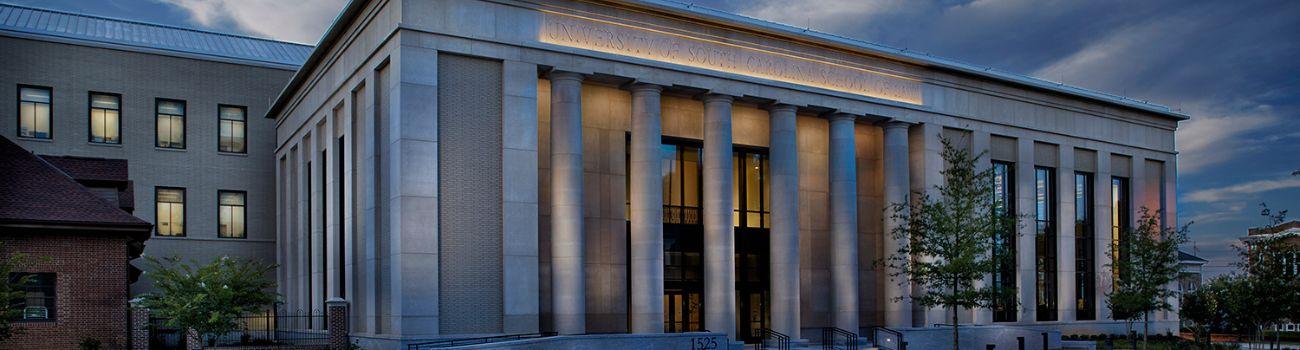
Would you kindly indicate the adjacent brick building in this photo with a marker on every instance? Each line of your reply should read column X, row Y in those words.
column 73, row 225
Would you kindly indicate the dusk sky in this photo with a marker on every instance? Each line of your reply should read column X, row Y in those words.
column 1234, row 66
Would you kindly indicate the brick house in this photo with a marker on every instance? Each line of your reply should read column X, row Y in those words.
column 70, row 217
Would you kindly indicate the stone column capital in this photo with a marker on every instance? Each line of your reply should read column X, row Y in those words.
column 564, row 75
column 775, row 107
column 712, row 98
column 644, row 88
column 839, row 116
column 895, row 124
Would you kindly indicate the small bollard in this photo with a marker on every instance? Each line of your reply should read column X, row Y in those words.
column 990, row 347
column 1044, row 340
column 1020, row 343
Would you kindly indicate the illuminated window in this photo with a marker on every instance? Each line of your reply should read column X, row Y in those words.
column 1045, row 242
column 231, row 223
column 750, row 198
column 171, row 124
column 37, row 301
column 233, row 121
column 105, row 118
column 1119, row 218
column 1084, row 248
column 681, row 179
column 1004, row 249
column 34, row 112
column 170, row 216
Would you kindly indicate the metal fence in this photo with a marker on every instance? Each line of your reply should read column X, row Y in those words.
column 278, row 327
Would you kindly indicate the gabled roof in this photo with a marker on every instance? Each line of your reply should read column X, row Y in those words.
column 36, row 193
column 23, row 21
column 1185, row 257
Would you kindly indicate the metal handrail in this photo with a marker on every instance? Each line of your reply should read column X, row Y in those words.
column 446, row 343
column 887, row 338
column 782, row 341
column 829, row 334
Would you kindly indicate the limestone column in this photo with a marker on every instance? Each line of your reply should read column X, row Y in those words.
column 981, row 142
column 783, row 159
column 898, row 303
column 1066, row 293
column 1026, row 268
column 844, row 223
column 567, row 290
column 647, row 225
column 719, row 232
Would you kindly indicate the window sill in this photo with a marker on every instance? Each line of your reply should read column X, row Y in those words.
column 170, row 149
column 102, row 144
column 35, row 139
column 236, row 154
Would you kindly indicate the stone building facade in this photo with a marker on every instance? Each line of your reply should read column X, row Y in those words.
column 474, row 167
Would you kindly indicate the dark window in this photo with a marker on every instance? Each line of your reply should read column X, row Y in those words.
column 749, row 196
column 1119, row 221
column 34, row 116
column 170, row 216
column 1004, row 249
column 170, row 123
column 339, row 208
column 231, row 213
column 37, row 302
column 311, row 258
column 105, row 118
column 324, row 222
column 1084, row 248
column 1045, row 242
column 233, row 120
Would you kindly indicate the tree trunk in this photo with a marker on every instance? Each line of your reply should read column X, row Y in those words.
column 954, row 328
column 1146, row 327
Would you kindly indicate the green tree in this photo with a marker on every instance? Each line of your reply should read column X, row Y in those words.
column 950, row 238
column 1202, row 311
column 11, row 289
column 208, row 298
column 1269, row 264
column 1148, row 266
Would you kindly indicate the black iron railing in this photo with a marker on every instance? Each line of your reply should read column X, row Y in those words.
column 446, row 343
column 832, row 337
column 279, row 327
column 886, row 338
column 770, row 339
column 675, row 214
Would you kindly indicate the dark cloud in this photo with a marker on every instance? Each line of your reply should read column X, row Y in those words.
column 1233, row 65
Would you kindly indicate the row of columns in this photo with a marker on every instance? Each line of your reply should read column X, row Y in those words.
column 646, row 210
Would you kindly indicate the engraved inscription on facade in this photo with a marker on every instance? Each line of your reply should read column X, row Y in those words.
column 654, row 45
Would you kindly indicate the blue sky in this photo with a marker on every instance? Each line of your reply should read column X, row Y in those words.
column 1233, row 65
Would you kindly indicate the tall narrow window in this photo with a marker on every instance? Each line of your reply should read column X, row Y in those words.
column 105, row 118
column 171, row 124
column 324, row 222
column 1045, row 242
column 340, row 207
column 1119, row 221
column 34, row 112
column 1084, row 249
column 749, row 196
column 681, row 177
column 1004, row 249
column 233, row 120
column 170, row 216
column 231, row 214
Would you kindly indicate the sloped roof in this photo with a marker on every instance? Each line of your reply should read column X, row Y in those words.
column 35, row 192
column 120, row 33
column 87, row 168
column 1186, row 257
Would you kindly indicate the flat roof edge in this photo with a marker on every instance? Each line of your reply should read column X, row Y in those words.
column 691, row 10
